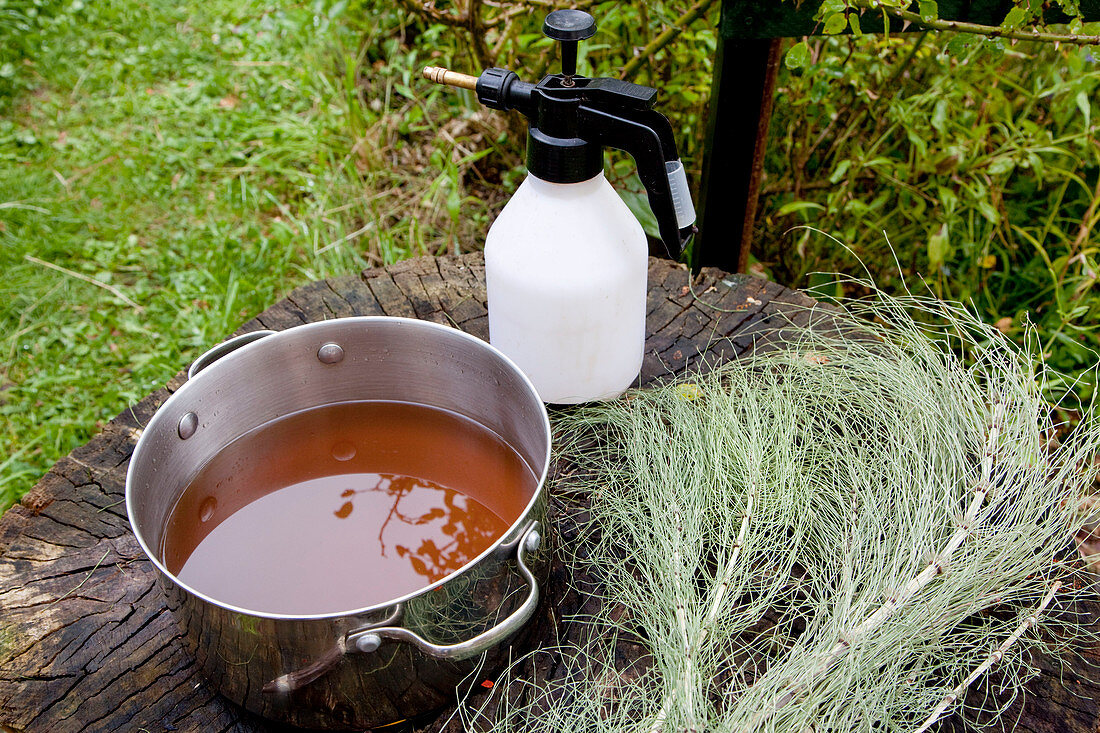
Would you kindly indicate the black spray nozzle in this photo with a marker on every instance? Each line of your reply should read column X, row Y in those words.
column 572, row 118
column 502, row 89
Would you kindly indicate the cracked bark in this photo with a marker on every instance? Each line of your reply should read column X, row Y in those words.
column 86, row 642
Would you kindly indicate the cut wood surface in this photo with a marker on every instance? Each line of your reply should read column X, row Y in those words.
column 86, row 641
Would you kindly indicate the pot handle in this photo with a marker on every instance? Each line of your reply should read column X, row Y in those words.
column 369, row 640
column 299, row 678
column 225, row 347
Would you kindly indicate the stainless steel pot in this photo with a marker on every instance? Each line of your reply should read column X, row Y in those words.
column 368, row 666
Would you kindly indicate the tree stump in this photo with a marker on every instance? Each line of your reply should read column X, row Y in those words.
column 86, row 641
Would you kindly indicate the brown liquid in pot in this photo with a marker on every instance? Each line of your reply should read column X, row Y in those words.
column 344, row 506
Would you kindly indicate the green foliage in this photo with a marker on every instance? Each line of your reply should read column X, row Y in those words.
column 23, row 25
column 978, row 171
column 1026, row 20
column 976, row 157
column 167, row 172
column 201, row 161
column 198, row 163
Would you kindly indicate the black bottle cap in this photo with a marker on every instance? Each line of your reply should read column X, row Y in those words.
column 562, row 160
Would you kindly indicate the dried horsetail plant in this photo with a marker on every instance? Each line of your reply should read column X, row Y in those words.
column 831, row 536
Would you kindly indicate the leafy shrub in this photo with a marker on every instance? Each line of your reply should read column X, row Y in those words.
column 974, row 167
column 971, row 165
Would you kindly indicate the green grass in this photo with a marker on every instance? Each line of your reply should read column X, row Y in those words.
column 165, row 174
column 168, row 172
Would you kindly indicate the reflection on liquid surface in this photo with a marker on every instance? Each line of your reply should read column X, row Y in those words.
column 327, row 511
column 438, row 530
column 403, row 531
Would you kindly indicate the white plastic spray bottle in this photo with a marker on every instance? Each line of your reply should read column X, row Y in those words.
column 566, row 261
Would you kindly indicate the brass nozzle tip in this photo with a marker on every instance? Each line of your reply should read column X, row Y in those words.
column 440, row 75
column 434, row 73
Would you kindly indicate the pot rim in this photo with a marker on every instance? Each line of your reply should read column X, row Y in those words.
column 516, row 526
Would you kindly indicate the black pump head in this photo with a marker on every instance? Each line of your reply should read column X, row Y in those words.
column 569, row 27
column 572, row 118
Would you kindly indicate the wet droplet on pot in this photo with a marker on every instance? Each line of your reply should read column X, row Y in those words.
column 347, row 493
column 206, row 509
column 343, row 451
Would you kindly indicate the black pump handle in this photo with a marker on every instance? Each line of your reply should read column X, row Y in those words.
column 568, row 27
column 647, row 137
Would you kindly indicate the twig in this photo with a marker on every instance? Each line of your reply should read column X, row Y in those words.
column 552, row 4
column 431, row 12
column 21, row 205
column 727, row 576
column 77, row 586
column 991, row 31
column 681, row 614
column 79, row 276
column 348, row 237
column 505, row 17
column 1089, row 220
column 936, row 567
column 477, row 34
column 995, row 656
column 715, row 605
column 665, row 37
column 505, row 34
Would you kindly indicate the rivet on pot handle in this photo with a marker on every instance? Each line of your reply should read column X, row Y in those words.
column 299, row 678
column 370, row 639
column 225, row 347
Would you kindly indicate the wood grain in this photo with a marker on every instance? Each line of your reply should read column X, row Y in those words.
column 86, row 642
